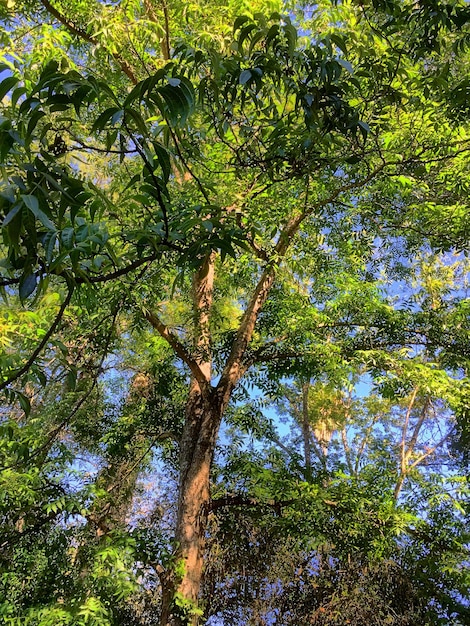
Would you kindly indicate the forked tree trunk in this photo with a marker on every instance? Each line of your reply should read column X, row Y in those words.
column 202, row 421
column 204, row 410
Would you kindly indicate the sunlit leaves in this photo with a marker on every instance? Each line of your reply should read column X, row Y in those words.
column 312, row 167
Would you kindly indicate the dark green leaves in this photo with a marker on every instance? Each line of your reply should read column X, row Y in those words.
column 245, row 76
column 6, row 85
column 47, row 213
column 112, row 115
column 32, row 204
column 27, row 285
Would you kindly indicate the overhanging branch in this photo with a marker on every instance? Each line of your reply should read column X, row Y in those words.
column 248, row 502
column 244, row 501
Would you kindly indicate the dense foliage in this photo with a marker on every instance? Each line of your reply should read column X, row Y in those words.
column 235, row 315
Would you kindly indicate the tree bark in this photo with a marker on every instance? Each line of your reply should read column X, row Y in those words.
column 202, row 421
column 203, row 416
column 204, row 410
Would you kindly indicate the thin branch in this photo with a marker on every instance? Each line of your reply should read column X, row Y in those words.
column 234, row 368
column 102, row 278
column 165, row 43
column 41, row 345
column 306, row 427
column 6, row 282
column 167, row 29
column 290, row 453
column 405, row 429
column 234, row 500
column 83, row 147
column 175, row 138
column 160, row 437
column 53, row 434
column 417, row 428
column 430, row 451
column 246, row 501
column 364, row 442
column 347, row 451
column 259, row 357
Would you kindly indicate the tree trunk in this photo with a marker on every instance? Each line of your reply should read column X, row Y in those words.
column 306, row 430
column 204, row 410
column 203, row 417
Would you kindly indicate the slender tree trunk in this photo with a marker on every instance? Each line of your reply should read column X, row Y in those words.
column 306, row 430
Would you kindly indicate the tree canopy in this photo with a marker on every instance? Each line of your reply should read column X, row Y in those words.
column 235, row 315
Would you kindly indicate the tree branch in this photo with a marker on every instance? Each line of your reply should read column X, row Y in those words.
column 234, row 369
column 403, row 446
column 82, row 34
column 178, row 347
column 41, row 345
column 430, row 451
column 234, row 500
column 165, row 43
column 202, row 296
column 246, row 501
column 102, row 278
column 56, row 430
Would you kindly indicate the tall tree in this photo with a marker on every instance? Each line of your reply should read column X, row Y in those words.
column 266, row 186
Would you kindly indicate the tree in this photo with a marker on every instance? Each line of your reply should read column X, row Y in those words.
column 344, row 538
column 260, row 181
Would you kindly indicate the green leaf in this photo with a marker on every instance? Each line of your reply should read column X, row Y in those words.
column 68, row 236
column 163, row 159
column 33, row 205
column 49, row 243
column 113, row 114
column 244, row 33
column 347, row 65
column 72, row 379
column 25, row 405
column 6, row 85
column 187, row 90
column 364, row 128
column 11, row 214
column 291, row 35
column 339, row 41
column 17, row 93
column 239, row 21
column 177, row 108
column 27, row 285
column 33, row 120
column 245, row 76
column 132, row 114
